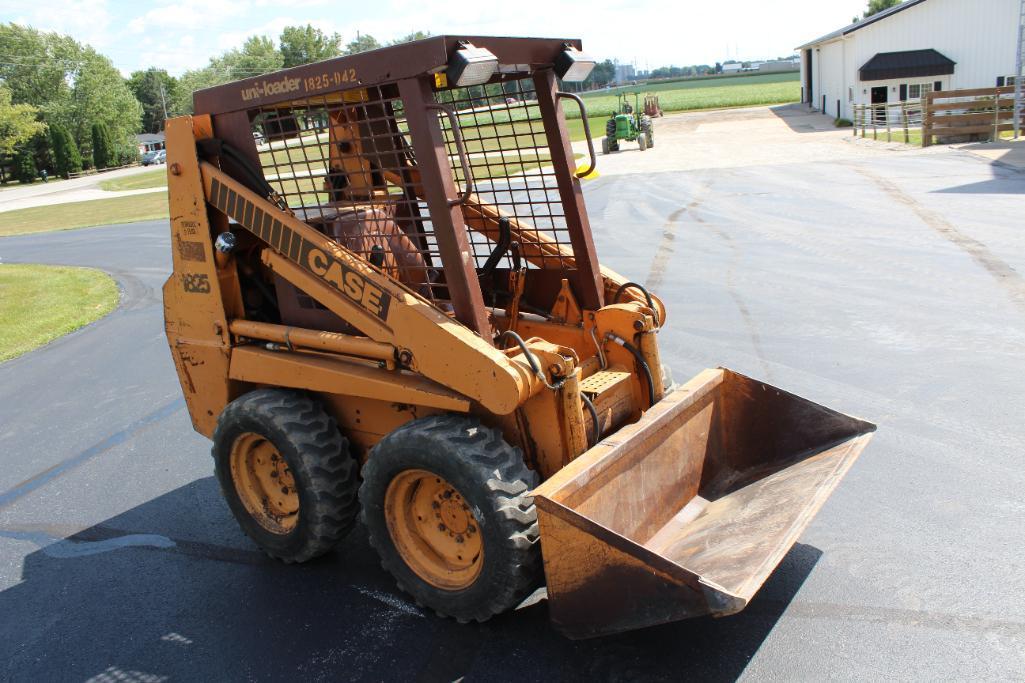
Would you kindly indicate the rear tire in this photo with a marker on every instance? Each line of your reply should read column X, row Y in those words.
column 642, row 142
column 610, row 134
column 286, row 473
column 604, row 145
column 439, row 486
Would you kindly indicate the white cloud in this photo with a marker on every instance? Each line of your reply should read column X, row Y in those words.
column 183, row 34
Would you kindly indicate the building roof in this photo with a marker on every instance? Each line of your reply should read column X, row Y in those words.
column 851, row 28
column 146, row 138
column 907, row 64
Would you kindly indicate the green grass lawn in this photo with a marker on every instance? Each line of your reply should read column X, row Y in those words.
column 735, row 91
column 140, row 181
column 41, row 303
column 141, row 207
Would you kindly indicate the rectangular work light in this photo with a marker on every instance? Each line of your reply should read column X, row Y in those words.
column 471, row 65
column 573, row 65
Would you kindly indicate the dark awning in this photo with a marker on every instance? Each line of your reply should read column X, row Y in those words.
column 910, row 64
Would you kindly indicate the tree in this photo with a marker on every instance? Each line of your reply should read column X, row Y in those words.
column 601, row 75
column 25, row 167
column 877, row 6
column 104, row 155
column 156, row 91
column 362, row 43
column 71, row 84
column 67, row 160
column 257, row 56
column 305, row 45
column 410, row 37
column 18, row 123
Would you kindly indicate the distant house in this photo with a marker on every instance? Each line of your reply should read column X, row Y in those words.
column 149, row 142
column 734, row 68
column 909, row 50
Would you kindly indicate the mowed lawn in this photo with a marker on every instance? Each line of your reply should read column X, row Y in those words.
column 140, row 207
column 139, row 181
column 41, row 303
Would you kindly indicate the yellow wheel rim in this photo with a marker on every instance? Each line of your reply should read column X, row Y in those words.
column 434, row 529
column 264, row 483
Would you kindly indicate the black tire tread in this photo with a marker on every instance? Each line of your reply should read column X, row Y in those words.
column 329, row 470
column 506, row 481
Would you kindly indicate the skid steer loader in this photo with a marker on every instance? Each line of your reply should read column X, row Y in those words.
column 386, row 303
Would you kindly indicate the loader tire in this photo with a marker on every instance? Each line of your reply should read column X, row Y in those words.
column 286, row 472
column 445, row 506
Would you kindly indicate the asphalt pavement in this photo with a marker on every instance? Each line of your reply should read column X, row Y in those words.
column 887, row 285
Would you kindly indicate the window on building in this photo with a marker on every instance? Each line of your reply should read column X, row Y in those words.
column 917, row 91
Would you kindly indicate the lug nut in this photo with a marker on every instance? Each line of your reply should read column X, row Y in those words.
column 459, row 539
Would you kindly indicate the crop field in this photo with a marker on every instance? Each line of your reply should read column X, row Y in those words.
column 718, row 93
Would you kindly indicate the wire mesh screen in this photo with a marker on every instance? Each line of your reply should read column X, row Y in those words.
column 344, row 163
column 510, row 166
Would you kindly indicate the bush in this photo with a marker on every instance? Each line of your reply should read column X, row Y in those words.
column 843, row 123
column 104, row 154
column 66, row 159
column 25, row 167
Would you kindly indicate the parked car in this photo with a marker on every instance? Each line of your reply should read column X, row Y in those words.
column 148, row 158
column 161, row 157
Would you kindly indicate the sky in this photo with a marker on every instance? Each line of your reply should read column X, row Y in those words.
column 178, row 35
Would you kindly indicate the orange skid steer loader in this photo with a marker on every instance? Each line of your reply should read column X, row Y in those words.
column 386, row 303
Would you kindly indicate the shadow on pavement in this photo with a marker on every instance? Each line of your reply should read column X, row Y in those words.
column 171, row 590
column 800, row 118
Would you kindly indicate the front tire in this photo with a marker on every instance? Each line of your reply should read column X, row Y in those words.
column 286, row 473
column 445, row 506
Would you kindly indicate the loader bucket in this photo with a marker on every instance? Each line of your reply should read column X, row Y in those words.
column 687, row 512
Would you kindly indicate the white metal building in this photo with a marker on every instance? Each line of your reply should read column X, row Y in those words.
column 910, row 49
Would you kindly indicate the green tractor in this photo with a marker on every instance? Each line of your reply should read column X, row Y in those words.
column 628, row 123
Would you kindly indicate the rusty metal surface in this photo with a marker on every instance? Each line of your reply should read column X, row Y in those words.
column 688, row 511
column 385, row 65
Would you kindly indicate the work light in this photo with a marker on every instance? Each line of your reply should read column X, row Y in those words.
column 573, row 65
column 471, row 66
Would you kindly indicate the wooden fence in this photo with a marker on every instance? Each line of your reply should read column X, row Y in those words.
column 890, row 120
column 968, row 113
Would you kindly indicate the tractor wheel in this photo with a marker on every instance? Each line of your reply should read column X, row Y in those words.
column 610, row 133
column 286, row 473
column 648, row 128
column 642, row 141
column 445, row 505
column 604, row 145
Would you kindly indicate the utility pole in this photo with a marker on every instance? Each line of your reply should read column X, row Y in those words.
column 163, row 100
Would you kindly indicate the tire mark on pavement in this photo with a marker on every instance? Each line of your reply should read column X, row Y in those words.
column 117, row 438
column 738, row 301
column 1006, row 276
column 656, row 274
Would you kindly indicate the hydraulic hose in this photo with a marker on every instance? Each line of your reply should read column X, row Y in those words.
column 647, row 297
column 641, row 362
column 596, row 432
column 531, row 359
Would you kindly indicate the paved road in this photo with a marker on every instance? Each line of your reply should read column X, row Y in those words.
column 79, row 189
column 887, row 285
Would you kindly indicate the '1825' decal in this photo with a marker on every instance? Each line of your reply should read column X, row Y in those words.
column 196, row 283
